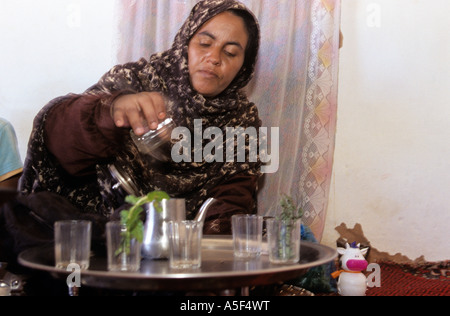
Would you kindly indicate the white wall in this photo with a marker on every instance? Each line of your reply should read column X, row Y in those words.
column 392, row 161
column 50, row 48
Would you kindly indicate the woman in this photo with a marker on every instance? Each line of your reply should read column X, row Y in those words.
column 200, row 77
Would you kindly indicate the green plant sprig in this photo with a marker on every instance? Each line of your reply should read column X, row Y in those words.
column 289, row 209
column 131, row 220
column 290, row 212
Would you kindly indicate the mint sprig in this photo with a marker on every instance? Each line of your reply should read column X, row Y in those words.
column 130, row 219
column 290, row 212
column 289, row 209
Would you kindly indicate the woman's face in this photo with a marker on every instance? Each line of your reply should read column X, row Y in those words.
column 217, row 53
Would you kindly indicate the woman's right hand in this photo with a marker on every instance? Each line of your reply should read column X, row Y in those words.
column 142, row 111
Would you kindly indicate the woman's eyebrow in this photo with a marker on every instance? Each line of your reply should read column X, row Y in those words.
column 208, row 34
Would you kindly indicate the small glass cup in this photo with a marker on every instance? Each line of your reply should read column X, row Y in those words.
column 122, row 256
column 72, row 244
column 156, row 143
column 5, row 289
column 284, row 238
column 185, row 239
column 247, row 236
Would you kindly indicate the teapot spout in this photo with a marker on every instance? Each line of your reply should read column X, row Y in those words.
column 200, row 218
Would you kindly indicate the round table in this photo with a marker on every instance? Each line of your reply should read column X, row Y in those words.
column 220, row 270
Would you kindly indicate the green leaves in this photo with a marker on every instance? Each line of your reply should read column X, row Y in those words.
column 290, row 212
column 289, row 209
column 133, row 226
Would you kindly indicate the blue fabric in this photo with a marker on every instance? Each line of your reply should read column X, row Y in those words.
column 9, row 154
column 307, row 234
column 317, row 279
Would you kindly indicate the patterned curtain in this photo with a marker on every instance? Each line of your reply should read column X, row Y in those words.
column 295, row 86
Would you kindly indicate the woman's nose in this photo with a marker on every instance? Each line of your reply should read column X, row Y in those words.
column 214, row 57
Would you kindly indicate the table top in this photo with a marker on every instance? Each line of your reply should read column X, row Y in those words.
column 219, row 271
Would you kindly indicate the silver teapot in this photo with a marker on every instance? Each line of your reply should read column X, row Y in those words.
column 156, row 237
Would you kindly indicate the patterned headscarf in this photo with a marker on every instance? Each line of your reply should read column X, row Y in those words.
column 167, row 73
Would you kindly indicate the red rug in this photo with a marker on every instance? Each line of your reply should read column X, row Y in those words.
column 403, row 280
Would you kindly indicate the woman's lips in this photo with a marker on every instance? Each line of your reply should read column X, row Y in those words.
column 208, row 74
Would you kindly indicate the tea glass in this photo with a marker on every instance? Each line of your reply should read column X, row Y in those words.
column 72, row 244
column 185, row 244
column 247, row 236
column 123, row 255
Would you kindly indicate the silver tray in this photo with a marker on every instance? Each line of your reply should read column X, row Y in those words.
column 219, row 271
